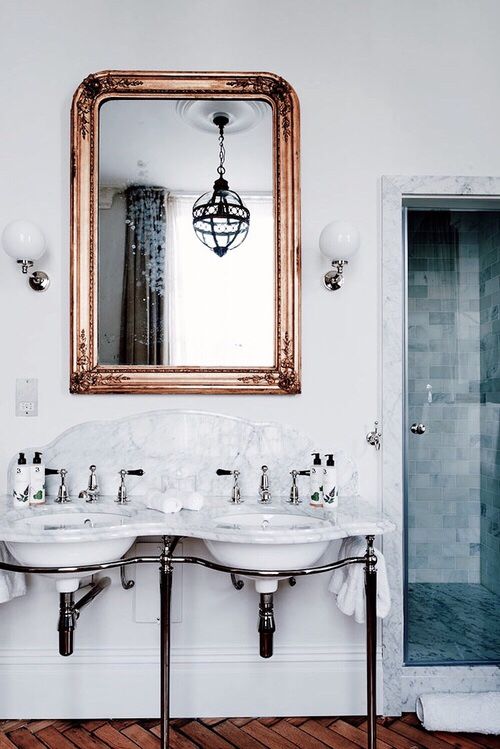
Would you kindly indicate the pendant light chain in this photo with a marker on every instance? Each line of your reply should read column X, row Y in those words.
column 222, row 152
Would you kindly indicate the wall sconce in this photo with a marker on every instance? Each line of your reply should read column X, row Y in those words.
column 338, row 241
column 24, row 241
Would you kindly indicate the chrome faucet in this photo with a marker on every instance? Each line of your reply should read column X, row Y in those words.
column 294, row 489
column 264, row 491
column 91, row 493
column 62, row 492
column 235, row 491
column 122, row 489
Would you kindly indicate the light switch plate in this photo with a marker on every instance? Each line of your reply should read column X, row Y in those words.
column 27, row 396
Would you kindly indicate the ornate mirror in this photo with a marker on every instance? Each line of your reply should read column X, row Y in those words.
column 185, row 254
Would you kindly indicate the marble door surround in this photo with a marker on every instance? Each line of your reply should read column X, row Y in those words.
column 402, row 684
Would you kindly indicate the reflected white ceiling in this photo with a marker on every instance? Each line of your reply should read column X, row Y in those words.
column 147, row 142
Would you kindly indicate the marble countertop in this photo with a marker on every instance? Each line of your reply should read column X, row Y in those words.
column 218, row 520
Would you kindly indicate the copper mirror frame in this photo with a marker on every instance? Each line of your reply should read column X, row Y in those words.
column 86, row 374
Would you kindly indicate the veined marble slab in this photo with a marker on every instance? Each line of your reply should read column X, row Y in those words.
column 185, row 443
column 216, row 521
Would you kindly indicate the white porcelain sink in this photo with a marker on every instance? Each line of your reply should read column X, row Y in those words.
column 264, row 551
column 80, row 549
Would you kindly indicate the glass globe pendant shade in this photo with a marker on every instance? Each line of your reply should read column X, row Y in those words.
column 23, row 240
column 339, row 240
column 221, row 219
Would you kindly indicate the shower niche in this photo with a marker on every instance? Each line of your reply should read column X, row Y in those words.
column 452, row 441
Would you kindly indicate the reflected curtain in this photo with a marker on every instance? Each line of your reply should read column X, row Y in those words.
column 142, row 330
column 436, row 231
column 434, row 244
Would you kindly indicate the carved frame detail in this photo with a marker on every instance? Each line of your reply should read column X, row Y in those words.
column 86, row 374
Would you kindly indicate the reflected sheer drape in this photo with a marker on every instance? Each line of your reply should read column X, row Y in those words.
column 434, row 237
column 142, row 334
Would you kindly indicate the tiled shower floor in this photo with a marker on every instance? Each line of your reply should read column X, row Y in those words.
column 452, row 622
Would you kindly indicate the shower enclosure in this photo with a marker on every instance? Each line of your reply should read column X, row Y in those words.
column 451, row 431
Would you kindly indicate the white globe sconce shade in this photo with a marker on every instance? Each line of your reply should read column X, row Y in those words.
column 339, row 241
column 24, row 242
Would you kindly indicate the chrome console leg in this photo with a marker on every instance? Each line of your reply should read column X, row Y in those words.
column 371, row 642
column 166, row 571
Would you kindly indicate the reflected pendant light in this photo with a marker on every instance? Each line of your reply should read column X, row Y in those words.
column 220, row 218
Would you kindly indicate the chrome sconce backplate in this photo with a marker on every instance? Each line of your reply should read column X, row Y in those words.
column 39, row 280
column 334, row 279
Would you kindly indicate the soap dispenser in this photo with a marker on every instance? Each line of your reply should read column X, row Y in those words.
column 330, row 492
column 316, row 482
column 37, row 481
column 21, row 481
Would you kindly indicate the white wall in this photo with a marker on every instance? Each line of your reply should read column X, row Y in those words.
column 386, row 86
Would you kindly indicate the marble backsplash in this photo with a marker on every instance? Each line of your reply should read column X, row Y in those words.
column 193, row 443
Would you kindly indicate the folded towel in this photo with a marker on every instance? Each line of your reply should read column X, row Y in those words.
column 163, row 502
column 168, row 501
column 479, row 713
column 348, row 583
column 12, row 584
column 193, row 501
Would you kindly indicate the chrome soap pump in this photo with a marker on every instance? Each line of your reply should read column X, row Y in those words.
column 316, row 481
column 330, row 492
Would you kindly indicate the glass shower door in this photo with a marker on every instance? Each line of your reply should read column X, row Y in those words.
column 452, row 466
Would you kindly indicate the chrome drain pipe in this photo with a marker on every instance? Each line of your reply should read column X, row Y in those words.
column 267, row 625
column 69, row 611
column 67, row 623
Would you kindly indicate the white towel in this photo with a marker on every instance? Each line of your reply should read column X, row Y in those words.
column 163, row 502
column 168, row 501
column 193, row 501
column 348, row 583
column 478, row 713
column 12, row 584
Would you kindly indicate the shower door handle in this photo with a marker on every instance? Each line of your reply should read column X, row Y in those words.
column 417, row 428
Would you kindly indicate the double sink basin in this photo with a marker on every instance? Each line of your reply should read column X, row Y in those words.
column 277, row 539
column 64, row 538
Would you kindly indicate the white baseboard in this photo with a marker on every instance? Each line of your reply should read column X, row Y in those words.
column 206, row 682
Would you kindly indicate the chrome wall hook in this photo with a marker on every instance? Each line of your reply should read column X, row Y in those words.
column 374, row 437
column 237, row 583
column 126, row 584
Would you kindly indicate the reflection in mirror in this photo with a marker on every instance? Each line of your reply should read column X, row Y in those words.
column 164, row 297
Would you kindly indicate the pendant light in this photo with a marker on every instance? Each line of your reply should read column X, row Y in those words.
column 220, row 218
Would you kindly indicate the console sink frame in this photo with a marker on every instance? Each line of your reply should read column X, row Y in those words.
column 167, row 561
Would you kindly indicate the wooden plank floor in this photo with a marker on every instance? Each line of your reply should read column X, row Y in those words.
column 233, row 733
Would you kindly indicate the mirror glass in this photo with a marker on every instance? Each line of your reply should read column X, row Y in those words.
column 164, row 297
